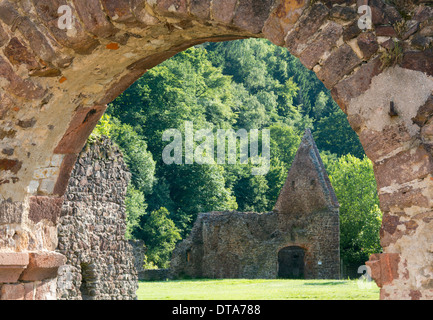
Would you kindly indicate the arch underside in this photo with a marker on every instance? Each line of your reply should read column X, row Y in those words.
column 56, row 83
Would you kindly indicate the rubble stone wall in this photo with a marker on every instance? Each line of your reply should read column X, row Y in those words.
column 100, row 261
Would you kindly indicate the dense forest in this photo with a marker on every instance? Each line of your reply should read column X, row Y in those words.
column 245, row 84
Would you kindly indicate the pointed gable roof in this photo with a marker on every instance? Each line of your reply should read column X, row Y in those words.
column 307, row 188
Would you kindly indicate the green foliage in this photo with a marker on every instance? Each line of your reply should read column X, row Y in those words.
column 135, row 210
column 246, row 84
column 360, row 217
column 160, row 235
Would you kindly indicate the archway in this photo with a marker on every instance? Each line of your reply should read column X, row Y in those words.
column 57, row 79
column 291, row 263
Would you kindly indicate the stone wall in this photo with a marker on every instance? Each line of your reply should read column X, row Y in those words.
column 247, row 245
column 91, row 230
column 139, row 252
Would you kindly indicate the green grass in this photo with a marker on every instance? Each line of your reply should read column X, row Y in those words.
column 243, row 289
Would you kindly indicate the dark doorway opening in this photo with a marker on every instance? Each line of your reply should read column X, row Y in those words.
column 87, row 282
column 291, row 263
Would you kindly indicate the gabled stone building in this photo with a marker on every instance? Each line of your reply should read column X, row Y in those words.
column 298, row 239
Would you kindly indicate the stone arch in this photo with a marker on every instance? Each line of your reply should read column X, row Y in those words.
column 56, row 83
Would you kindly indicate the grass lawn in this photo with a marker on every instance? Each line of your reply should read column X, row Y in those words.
column 246, row 289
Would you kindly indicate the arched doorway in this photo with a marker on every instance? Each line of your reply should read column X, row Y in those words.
column 291, row 263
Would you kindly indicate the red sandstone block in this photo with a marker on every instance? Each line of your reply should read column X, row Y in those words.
column 170, row 7
column 119, row 10
column 251, row 14
column 82, row 124
column 378, row 144
column 12, row 265
column 200, row 8
column 45, row 208
column 29, row 290
column 323, row 43
column 223, row 10
column 404, row 167
column 80, row 41
column 94, row 18
column 356, row 84
column 384, row 267
column 12, row 292
column 43, row 265
column 420, row 61
column 18, row 86
column 309, row 24
column 341, row 62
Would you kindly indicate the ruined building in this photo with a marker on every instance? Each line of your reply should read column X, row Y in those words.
column 91, row 229
column 299, row 239
column 56, row 84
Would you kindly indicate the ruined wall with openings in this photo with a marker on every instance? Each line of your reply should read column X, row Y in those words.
column 100, row 262
column 248, row 245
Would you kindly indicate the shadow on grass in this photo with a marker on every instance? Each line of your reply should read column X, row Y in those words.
column 329, row 283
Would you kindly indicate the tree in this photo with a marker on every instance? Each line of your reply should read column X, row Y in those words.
column 160, row 236
column 334, row 134
column 360, row 217
column 135, row 209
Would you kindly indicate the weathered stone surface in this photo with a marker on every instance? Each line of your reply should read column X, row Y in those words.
column 248, row 245
column 385, row 31
column 175, row 7
column 307, row 26
column 307, row 188
column 12, row 265
column 45, row 208
column 3, row 37
column 18, row 54
column 18, row 86
column 100, row 262
column 368, row 44
column 344, row 13
column 94, row 18
column 251, row 15
column 119, row 11
column 425, row 112
column 341, row 62
column 405, row 166
column 351, row 31
column 356, row 84
column 79, row 40
column 420, row 61
column 377, row 146
column 12, row 292
column 42, row 265
column 384, row 267
column 282, row 19
column 83, row 123
column 322, row 44
column 403, row 198
column 200, row 8
column 223, row 10
column 10, row 211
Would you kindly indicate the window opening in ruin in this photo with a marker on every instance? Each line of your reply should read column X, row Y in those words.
column 291, row 263
column 87, row 281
